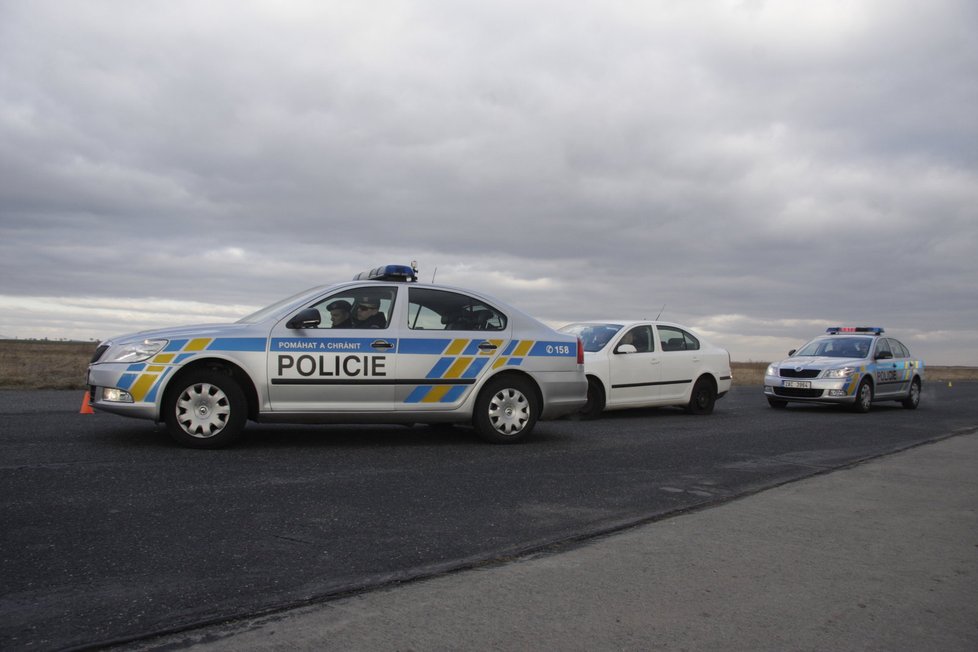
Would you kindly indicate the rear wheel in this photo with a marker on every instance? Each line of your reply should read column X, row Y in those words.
column 205, row 409
column 506, row 410
column 703, row 398
column 913, row 397
column 864, row 397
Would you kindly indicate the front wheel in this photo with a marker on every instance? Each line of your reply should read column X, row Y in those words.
column 913, row 397
column 506, row 410
column 864, row 397
column 205, row 409
column 777, row 403
column 703, row 398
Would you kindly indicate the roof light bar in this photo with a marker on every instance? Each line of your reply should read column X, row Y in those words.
column 835, row 330
column 397, row 273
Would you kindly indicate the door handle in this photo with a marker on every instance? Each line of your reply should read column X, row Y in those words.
column 381, row 344
column 487, row 346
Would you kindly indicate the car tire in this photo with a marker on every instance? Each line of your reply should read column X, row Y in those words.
column 913, row 396
column 864, row 397
column 777, row 403
column 702, row 398
column 595, row 400
column 205, row 409
column 506, row 410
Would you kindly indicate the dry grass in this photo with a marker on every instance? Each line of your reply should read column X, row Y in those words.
column 34, row 364
column 41, row 364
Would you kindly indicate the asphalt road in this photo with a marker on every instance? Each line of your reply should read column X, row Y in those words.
column 111, row 533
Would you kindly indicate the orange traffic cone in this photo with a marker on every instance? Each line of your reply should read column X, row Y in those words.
column 86, row 407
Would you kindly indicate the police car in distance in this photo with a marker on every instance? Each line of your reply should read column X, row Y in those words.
column 382, row 348
column 848, row 365
column 631, row 364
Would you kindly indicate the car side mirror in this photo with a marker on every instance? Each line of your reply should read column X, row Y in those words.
column 308, row 318
column 791, row 352
column 626, row 348
column 884, row 355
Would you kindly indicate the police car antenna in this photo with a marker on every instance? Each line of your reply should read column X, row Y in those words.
column 660, row 312
column 433, row 275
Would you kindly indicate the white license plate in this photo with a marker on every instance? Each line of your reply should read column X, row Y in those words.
column 799, row 384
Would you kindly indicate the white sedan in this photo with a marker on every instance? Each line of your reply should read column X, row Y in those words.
column 631, row 364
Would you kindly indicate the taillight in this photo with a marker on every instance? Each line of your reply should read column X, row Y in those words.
column 580, row 351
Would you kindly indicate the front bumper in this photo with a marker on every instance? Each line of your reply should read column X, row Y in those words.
column 143, row 388
column 814, row 390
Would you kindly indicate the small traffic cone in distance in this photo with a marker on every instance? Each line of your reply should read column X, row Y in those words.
column 86, row 407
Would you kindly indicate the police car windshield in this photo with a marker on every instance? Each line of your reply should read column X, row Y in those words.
column 269, row 311
column 594, row 336
column 837, row 347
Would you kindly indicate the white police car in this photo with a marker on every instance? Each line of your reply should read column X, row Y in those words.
column 849, row 365
column 380, row 349
column 632, row 364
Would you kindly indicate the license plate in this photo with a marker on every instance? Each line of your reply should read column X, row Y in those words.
column 799, row 384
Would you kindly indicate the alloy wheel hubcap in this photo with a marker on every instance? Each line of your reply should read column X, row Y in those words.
column 509, row 411
column 203, row 410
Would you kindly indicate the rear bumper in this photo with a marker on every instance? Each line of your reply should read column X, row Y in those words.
column 563, row 393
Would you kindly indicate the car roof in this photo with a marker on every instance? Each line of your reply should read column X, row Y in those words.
column 627, row 323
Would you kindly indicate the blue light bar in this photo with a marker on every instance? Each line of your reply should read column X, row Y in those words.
column 397, row 273
column 873, row 330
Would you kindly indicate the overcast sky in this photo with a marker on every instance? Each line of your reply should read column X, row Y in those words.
column 761, row 169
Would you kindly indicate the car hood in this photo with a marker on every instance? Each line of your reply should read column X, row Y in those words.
column 821, row 362
column 195, row 330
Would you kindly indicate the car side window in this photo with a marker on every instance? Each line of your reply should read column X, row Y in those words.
column 676, row 339
column 443, row 310
column 883, row 346
column 640, row 337
column 899, row 350
column 363, row 307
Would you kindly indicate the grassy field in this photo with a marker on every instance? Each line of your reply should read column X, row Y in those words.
column 34, row 364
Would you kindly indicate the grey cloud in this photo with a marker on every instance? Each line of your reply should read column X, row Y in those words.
column 780, row 161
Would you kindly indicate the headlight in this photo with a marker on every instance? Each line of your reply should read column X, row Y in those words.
column 772, row 370
column 134, row 351
column 843, row 372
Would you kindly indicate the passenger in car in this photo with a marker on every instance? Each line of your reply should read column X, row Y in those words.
column 339, row 314
column 367, row 315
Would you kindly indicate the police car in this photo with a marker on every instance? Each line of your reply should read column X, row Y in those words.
column 849, row 365
column 632, row 364
column 382, row 348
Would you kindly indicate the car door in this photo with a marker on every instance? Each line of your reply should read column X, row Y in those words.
column 634, row 371
column 680, row 360
column 905, row 364
column 316, row 367
column 891, row 372
column 449, row 341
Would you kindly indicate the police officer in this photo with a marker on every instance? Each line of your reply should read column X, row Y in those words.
column 366, row 314
column 339, row 314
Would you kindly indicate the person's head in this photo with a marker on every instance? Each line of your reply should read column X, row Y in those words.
column 367, row 307
column 339, row 311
